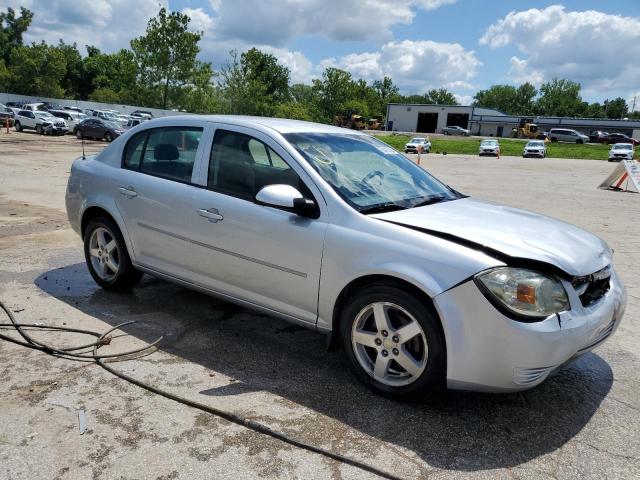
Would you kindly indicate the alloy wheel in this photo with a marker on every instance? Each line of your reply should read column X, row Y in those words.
column 104, row 253
column 389, row 344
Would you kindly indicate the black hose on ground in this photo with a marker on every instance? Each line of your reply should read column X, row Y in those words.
column 103, row 360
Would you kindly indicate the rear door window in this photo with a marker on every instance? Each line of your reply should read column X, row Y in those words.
column 168, row 152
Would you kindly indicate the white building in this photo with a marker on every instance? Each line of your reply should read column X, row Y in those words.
column 421, row 118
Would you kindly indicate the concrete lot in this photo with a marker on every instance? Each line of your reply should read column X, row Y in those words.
column 584, row 422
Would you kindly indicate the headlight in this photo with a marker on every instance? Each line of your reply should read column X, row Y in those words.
column 524, row 292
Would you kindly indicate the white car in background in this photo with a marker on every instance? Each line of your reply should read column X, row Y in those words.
column 72, row 117
column 41, row 122
column 414, row 144
column 621, row 151
column 535, row 148
column 489, row 146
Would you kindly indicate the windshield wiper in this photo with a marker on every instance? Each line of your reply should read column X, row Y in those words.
column 430, row 200
column 381, row 208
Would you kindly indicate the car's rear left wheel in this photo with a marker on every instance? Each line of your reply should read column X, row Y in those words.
column 393, row 341
column 108, row 137
column 107, row 257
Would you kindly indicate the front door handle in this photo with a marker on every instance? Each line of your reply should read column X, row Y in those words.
column 128, row 191
column 211, row 214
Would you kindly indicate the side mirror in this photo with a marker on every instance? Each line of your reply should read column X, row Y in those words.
column 288, row 198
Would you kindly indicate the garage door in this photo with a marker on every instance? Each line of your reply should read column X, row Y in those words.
column 427, row 122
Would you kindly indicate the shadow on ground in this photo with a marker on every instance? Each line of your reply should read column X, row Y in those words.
column 453, row 430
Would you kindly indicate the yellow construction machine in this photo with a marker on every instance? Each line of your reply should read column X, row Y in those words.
column 350, row 119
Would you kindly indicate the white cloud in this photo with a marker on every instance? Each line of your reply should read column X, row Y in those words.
column 276, row 22
column 107, row 24
column 415, row 66
column 200, row 20
column 299, row 65
column 597, row 49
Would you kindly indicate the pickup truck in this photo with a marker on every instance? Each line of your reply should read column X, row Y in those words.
column 41, row 122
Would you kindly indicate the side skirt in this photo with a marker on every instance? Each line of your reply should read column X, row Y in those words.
column 224, row 296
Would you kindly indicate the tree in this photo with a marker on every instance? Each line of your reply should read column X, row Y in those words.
column 115, row 72
column 441, row 97
column 559, row 98
column 333, row 91
column 72, row 82
column 166, row 54
column 524, row 102
column 241, row 95
column 264, row 69
column 500, row 97
column 616, row 108
column 37, row 69
column 5, row 76
column 11, row 34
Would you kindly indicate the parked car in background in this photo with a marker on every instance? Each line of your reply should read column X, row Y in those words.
column 6, row 116
column 41, row 122
column 75, row 109
column 71, row 117
column 597, row 136
column 456, row 130
column 620, row 138
column 34, row 107
column 98, row 129
column 535, row 148
column 331, row 229
column 16, row 105
column 414, row 144
column 621, row 151
column 47, row 106
column 133, row 123
column 489, row 146
column 566, row 135
column 143, row 113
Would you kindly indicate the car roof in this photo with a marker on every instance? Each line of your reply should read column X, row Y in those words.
column 280, row 125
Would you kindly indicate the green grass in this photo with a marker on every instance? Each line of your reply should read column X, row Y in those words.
column 508, row 146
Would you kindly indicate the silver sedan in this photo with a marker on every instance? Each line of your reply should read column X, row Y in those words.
column 332, row 229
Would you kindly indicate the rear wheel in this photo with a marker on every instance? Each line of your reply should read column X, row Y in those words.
column 107, row 258
column 393, row 341
column 554, row 139
column 79, row 134
column 18, row 126
column 108, row 137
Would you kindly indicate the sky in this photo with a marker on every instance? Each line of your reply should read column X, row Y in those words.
column 461, row 45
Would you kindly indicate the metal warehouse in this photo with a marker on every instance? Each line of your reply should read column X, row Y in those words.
column 422, row 118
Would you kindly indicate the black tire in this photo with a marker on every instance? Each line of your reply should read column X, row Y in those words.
column 108, row 137
column 18, row 126
column 554, row 139
column 433, row 376
column 579, row 141
column 127, row 275
column 39, row 130
column 79, row 135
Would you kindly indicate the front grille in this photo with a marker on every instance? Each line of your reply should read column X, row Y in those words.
column 592, row 288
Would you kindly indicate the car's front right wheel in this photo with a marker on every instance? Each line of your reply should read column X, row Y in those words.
column 107, row 257
column 393, row 341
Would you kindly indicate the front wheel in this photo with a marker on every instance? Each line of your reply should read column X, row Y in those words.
column 107, row 258
column 393, row 341
column 39, row 130
column 79, row 134
column 108, row 137
column 18, row 126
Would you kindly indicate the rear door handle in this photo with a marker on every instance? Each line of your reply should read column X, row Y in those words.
column 128, row 192
column 211, row 214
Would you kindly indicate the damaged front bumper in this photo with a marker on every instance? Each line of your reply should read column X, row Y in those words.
column 487, row 351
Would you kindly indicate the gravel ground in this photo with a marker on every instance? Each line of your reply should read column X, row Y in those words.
column 584, row 422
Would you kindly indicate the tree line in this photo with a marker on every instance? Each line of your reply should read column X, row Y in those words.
column 161, row 69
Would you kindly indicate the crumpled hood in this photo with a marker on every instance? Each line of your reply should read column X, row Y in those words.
column 516, row 233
